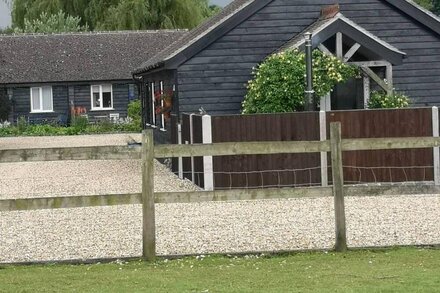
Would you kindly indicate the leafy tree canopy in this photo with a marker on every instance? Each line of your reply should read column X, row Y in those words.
column 54, row 23
column 115, row 14
column 432, row 5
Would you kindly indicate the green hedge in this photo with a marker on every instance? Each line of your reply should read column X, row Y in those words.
column 79, row 125
column 278, row 84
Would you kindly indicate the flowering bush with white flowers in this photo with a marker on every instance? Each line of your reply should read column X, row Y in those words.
column 5, row 124
column 380, row 100
column 279, row 82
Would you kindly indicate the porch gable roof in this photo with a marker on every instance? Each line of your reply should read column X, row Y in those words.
column 324, row 28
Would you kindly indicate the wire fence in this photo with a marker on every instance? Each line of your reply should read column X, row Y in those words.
column 306, row 177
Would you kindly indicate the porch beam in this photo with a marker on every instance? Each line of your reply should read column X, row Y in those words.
column 351, row 52
column 324, row 50
column 339, row 53
column 377, row 63
column 377, row 79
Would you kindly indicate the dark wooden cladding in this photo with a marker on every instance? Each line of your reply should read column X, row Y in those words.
column 386, row 123
column 174, row 132
column 186, row 139
column 258, row 170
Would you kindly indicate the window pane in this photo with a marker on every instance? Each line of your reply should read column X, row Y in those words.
column 107, row 100
column 35, row 92
column 106, row 88
column 47, row 98
column 95, row 89
column 96, row 100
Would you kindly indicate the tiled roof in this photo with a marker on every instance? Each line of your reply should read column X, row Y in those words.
column 33, row 58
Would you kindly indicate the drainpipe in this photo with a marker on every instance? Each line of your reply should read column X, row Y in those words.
column 309, row 73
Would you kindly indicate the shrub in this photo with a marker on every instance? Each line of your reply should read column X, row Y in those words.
column 105, row 125
column 5, row 124
column 134, row 112
column 22, row 124
column 79, row 123
column 380, row 100
column 279, row 83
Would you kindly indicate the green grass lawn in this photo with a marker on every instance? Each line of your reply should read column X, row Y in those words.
column 391, row 270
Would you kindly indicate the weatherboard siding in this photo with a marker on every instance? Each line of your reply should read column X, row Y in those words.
column 22, row 105
column 216, row 77
column 82, row 99
column 65, row 96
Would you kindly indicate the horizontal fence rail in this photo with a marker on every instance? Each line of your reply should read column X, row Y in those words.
column 241, row 148
column 361, row 144
column 69, row 153
column 27, row 204
column 42, row 203
column 216, row 149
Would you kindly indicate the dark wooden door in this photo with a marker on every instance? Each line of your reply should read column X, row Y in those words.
column 348, row 95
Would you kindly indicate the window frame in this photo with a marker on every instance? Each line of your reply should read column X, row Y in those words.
column 40, row 97
column 101, row 108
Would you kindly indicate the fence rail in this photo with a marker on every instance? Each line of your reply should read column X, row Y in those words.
column 148, row 197
column 75, row 153
column 214, row 149
column 43, row 203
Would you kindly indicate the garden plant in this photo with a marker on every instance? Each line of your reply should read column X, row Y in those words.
column 279, row 83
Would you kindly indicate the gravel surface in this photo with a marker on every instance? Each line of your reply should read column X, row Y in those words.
column 223, row 227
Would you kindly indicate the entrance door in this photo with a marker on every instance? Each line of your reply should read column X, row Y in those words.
column 348, row 95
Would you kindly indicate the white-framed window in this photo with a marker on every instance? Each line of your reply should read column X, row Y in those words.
column 41, row 99
column 102, row 97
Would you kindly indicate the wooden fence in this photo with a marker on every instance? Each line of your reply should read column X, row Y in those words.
column 335, row 146
column 312, row 169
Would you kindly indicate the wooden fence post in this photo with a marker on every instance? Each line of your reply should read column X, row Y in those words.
column 338, row 185
column 208, row 168
column 436, row 152
column 323, row 137
column 148, row 213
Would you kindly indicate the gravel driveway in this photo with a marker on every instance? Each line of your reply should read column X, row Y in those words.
column 110, row 232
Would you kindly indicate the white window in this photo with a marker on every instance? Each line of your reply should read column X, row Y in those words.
column 41, row 99
column 102, row 97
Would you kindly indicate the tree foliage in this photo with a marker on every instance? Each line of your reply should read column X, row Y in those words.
column 279, row 83
column 431, row 5
column 117, row 14
column 436, row 6
column 54, row 23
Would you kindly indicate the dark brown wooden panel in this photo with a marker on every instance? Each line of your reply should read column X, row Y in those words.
column 266, row 170
column 386, row 165
column 186, row 139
